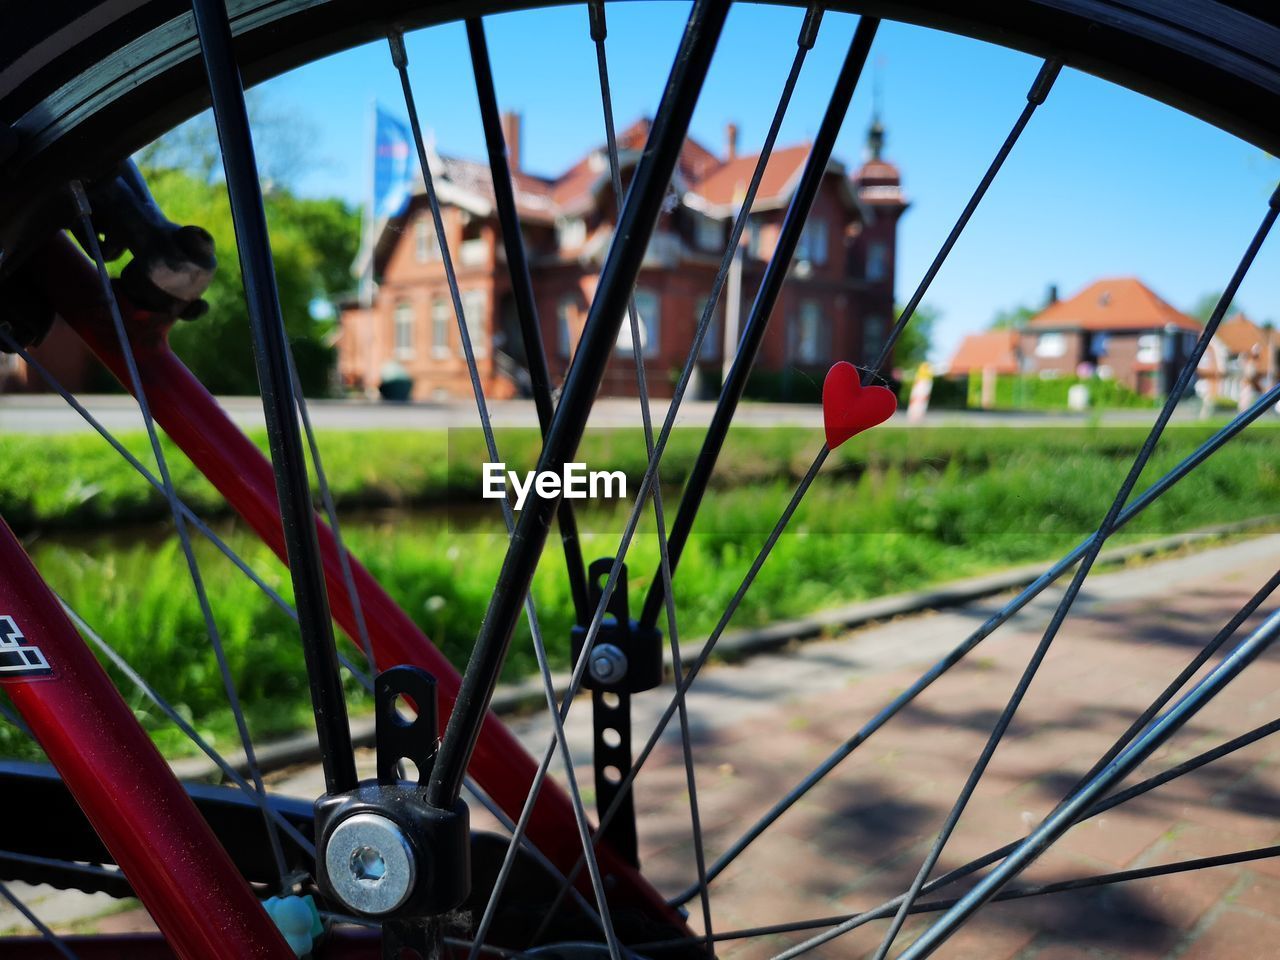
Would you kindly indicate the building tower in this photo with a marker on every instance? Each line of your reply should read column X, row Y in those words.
column 878, row 186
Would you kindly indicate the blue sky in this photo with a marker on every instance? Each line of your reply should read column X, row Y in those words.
column 1104, row 182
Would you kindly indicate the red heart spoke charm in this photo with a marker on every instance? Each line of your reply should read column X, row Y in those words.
column 848, row 407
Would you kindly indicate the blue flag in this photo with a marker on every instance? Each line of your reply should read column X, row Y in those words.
column 392, row 178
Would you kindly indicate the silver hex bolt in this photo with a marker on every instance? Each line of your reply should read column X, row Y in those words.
column 608, row 663
column 370, row 864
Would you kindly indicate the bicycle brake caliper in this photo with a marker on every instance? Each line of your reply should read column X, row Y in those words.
column 384, row 853
column 625, row 658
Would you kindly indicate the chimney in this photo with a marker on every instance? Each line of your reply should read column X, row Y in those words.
column 511, row 134
column 1051, row 297
column 730, row 141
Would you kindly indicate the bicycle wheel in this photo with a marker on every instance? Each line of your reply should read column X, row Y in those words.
column 80, row 92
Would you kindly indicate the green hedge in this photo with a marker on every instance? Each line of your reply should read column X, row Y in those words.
column 1033, row 393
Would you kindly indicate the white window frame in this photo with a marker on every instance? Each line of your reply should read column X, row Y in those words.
column 649, row 313
column 441, row 314
column 1051, row 345
column 1149, row 349
column 571, row 233
column 403, row 320
column 811, row 333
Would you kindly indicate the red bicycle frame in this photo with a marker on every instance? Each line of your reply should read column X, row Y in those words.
column 116, row 775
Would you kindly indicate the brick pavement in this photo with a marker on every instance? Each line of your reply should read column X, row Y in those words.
column 859, row 837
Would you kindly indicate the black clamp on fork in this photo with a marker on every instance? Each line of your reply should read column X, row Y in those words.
column 625, row 658
column 384, row 852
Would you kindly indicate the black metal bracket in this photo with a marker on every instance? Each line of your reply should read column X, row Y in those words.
column 625, row 658
column 384, row 852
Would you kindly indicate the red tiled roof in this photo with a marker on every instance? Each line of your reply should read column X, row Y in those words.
column 576, row 182
column 726, row 184
column 695, row 162
column 978, row 351
column 878, row 170
column 1118, row 303
column 533, row 194
column 718, row 183
column 1241, row 335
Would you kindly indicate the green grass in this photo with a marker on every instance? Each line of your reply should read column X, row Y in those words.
column 894, row 510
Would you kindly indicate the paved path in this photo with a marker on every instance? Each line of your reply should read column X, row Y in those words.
column 761, row 725
column 50, row 414
column 858, row 838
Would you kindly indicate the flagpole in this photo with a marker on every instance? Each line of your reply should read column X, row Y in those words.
column 366, row 272
column 367, row 245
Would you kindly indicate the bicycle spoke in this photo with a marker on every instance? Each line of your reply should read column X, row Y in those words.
column 331, row 512
column 683, row 683
column 886, row 909
column 271, row 356
column 1036, row 95
column 510, row 826
column 1039, row 91
column 1060, row 820
column 180, row 526
column 622, row 264
column 522, row 292
column 805, row 42
column 599, row 32
column 55, row 941
column 1018, row 893
column 191, row 733
column 1105, row 529
column 400, row 59
column 771, row 283
column 1194, row 763
column 458, row 942
column 190, row 515
column 1263, row 404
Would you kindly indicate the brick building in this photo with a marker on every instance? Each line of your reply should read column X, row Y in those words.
column 837, row 303
column 1117, row 328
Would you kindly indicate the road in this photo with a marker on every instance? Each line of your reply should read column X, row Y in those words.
column 762, row 724
column 44, row 414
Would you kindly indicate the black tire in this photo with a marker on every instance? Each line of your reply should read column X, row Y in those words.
column 82, row 85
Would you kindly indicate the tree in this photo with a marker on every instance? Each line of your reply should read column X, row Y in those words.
column 912, row 348
column 313, row 243
column 283, row 145
column 1205, row 306
column 1012, row 318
